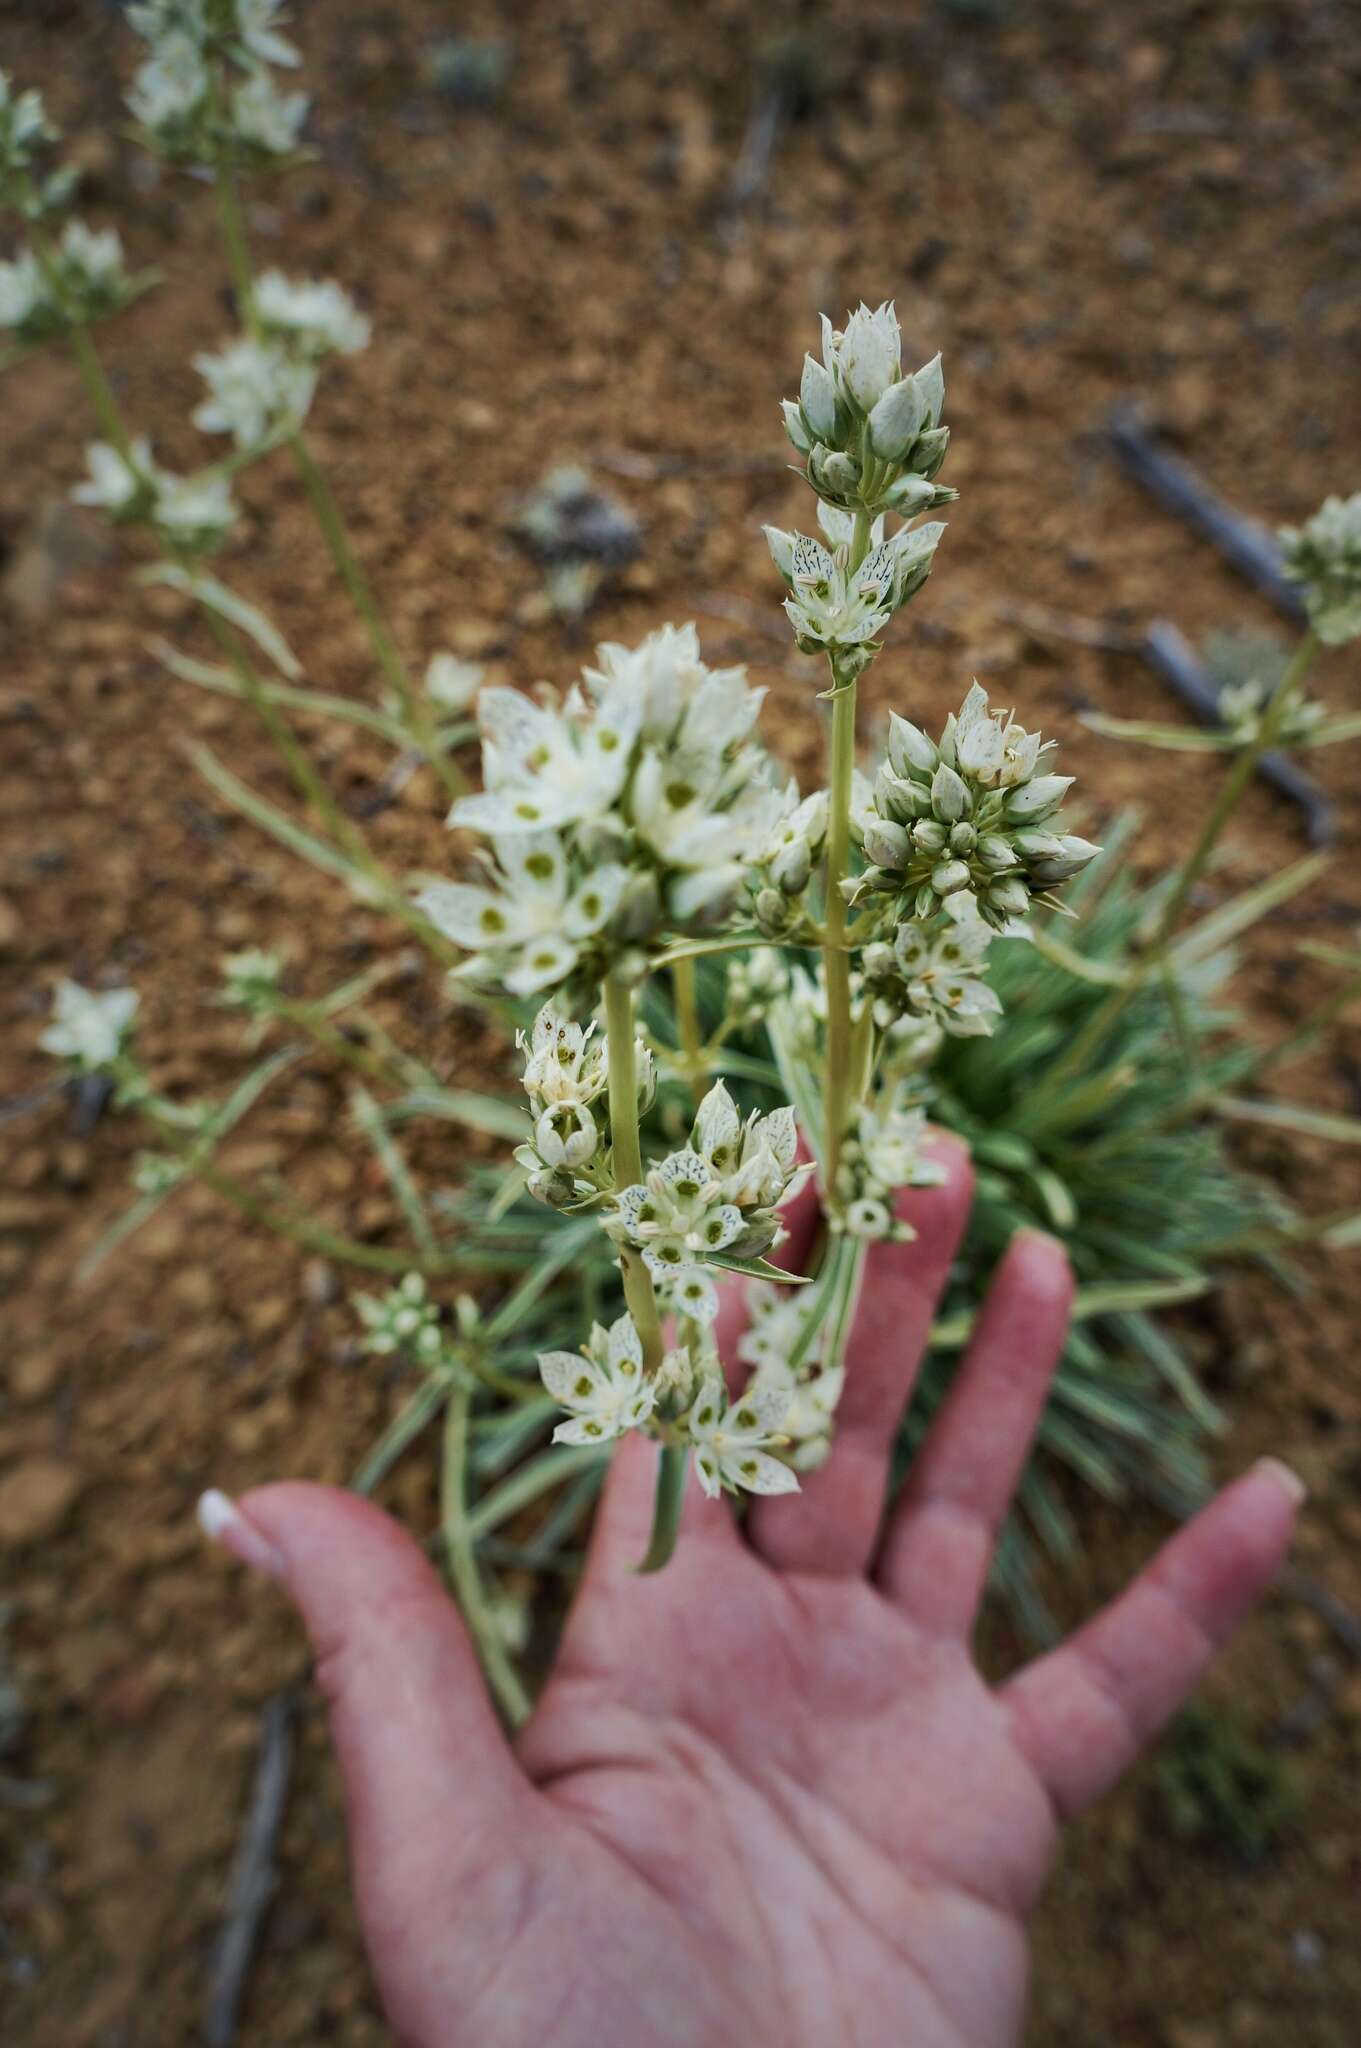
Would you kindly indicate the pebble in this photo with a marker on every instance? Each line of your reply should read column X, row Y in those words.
column 35, row 1499
column 33, row 1375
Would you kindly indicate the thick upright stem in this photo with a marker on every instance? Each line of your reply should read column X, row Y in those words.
column 836, row 961
column 626, row 1140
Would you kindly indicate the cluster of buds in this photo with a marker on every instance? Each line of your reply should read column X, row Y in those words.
column 566, row 1079
column 403, row 1319
column 191, row 515
column 871, row 437
column 90, row 1028
column 755, row 981
column 206, row 93
column 83, row 279
column 933, row 972
column 607, row 1391
column 784, row 863
column 811, row 1390
column 881, row 1152
column 837, row 610
column 971, row 816
column 630, row 809
column 1242, row 708
column 1324, row 558
column 261, row 385
column 717, row 1199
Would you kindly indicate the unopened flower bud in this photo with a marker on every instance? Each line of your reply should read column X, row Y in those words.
column 792, row 866
column 949, row 876
column 833, row 472
column 869, row 354
column 1009, row 898
column 909, row 748
column 794, row 426
column 928, row 452
column 929, row 835
column 817, row 396
column 887, row 844
column 772, row 911
column 996, row 853
column 1071, row 857
column 949, row 795
column 1033, row 799
column 963, row 837
column 895, row 420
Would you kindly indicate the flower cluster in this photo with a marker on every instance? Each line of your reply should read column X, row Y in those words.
column 934, row 972
column 872, row 437
column 602, row 1386
column 1242, row 706
column 607, row 1391
column 715, row 1199
column 835, row 609
column 26, row 135
column 314, row 317
column 89, row 1027
column 811, row 1390
column 403, row 1319
column 250, row 980
column 629, row 809
column 881, row 1153
column 783, row 863
column 191, row 514
column 84, row 279
column 566, row 1078
column 1324, row 558
column 261, row 385
column 205, row 94
column 971, row 815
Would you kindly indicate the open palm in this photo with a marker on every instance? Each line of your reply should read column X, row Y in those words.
column 766, row 1797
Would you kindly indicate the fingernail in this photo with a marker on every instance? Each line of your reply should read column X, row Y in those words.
column 1289, row 1481
column 1040, row 1236
column 223, row 1523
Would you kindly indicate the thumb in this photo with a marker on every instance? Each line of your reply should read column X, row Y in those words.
column 428, row 1776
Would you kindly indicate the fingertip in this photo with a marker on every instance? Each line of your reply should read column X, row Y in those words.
column 1285, row 1478
column 1038, row 1262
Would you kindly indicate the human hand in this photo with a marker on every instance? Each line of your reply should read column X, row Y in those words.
column 766, row 1796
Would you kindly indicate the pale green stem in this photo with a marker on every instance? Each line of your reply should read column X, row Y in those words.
column 687, row 1026
column 836, row 961
column 502, row 1677
column 1226, row 803
column 666, row 1509
column 626, row 1141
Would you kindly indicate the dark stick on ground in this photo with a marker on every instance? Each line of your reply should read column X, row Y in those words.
column 1168, row 652
column 1249, row 547
column 254, row 1873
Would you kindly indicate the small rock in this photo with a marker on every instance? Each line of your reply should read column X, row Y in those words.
column 33, row 1376
column 320, row 1283
column 35, row 1500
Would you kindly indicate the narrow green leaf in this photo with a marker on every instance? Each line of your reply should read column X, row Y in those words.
column 1181, row 739
column 236, row 610
column 758, row 1269
column 492, row 1114
column 1291, row 1116
column 1245, row 910
column 372, row 1123
column 279, row 825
